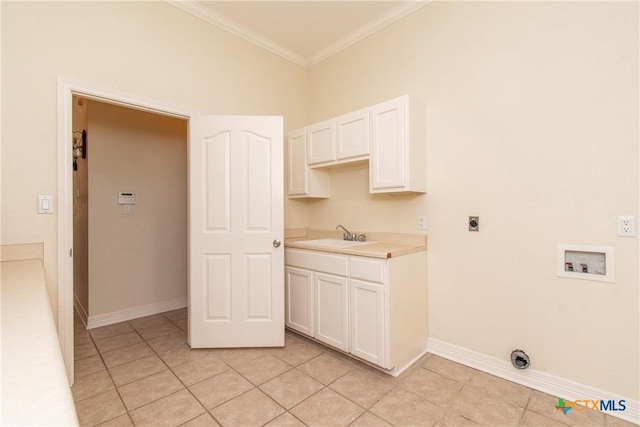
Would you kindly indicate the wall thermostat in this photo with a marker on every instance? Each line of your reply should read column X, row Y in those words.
column 126, row 198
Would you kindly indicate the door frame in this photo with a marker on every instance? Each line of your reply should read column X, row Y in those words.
column 67, row 88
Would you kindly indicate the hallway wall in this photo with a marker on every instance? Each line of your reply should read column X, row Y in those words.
column 139, row 259
column 81, row 216
column 152, row 50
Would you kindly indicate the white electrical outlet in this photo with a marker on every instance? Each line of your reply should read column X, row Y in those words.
column 626, row 226
column 422, row 222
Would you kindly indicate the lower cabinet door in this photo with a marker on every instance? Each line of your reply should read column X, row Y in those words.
column 332, row 310
column 299, row 300
column 368, row 322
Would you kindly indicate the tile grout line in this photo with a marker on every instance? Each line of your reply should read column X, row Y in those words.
column 466, row 381
column 324, row 386
column 524, row 412
column 209, row 411
column 448, row 408
column 129, row 413
column 170, row 369
column 185, row 387
column 257, row 387
column 115, row 386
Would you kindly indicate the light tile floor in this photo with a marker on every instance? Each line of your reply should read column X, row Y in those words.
column 143, row 373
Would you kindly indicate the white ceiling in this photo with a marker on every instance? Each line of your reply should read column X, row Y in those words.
column 304, row 32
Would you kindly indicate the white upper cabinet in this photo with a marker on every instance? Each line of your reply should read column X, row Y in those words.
column 398, row 147
column 339, row 140
column 302, row 181
column 297, row 151
column 391, row 135
column 352, row 135
column 321, row 143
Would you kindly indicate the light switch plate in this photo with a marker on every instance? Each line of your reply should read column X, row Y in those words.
column 45, row 204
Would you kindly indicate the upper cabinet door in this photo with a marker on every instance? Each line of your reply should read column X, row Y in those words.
column 398, row 161
column 352, row 135
column 391, row 135
column 297, row 182
column 303, row 182
column 321, row 142
column 388, row 148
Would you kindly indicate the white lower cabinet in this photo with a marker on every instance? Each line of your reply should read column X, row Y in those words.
column 299, row 300
column 367, row 321
column 332, row 310
column 375, row 309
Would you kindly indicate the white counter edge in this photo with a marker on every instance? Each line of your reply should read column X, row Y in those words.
column 35, row 389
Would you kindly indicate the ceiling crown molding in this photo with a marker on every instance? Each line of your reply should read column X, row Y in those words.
column 365, row 31
column 215, row 18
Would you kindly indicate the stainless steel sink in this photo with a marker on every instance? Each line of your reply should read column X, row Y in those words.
column 334, row 243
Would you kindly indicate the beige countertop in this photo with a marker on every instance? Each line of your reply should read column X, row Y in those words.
column 35, row 388
column 383, row 245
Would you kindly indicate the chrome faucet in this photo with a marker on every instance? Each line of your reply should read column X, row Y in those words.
column 351, row 236
column 347, row 235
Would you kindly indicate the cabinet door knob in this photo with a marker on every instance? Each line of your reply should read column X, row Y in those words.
column 277, row 243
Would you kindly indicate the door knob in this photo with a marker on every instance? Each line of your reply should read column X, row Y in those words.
column 277, row 243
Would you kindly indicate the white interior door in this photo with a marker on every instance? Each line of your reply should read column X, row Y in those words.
column 236, row 262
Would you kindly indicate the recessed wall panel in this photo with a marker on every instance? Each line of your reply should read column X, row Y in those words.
column 218, row 287
column 387, row 130
column 217, row 190
column 259, row 286
column 352, row 137
column 297, row 165
column 365, row 305
column 258, row 203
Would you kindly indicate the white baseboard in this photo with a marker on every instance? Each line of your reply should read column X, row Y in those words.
column 537, row 380
column 135, row 312
column 81, row 310
column 395, row 372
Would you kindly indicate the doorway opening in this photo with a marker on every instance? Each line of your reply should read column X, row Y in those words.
column 67, row 90
column 129, row 213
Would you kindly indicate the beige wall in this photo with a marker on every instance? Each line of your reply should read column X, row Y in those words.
column 532, row 124
column 147, row 49
column 532, row 115
column 80, row 110
column 139, row 259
